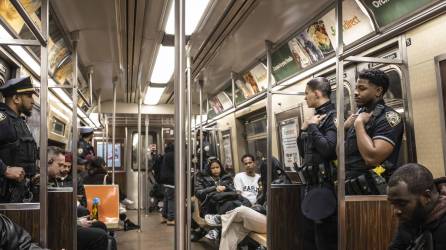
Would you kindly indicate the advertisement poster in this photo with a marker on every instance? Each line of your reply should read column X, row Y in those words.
column 10, row 15
column 259, row 74
column 283, row 63
column 245, row 88
column 356, row 24
column 314, row 52
column 100, row 151
column 387, row 11
column 319, row 35
column 300, row 55
column 227, row 151
column 289, row 133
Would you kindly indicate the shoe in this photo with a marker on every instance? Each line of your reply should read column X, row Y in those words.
column 127, row 202
column 128, row 225
column 213, row 234
column 122, row 209
column 163, row 220
column 197, row 235
column 170, row 222
column 213, row 220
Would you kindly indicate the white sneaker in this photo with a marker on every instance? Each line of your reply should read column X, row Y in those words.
column 127, row 202
column 122, row 209
column 212, row 234
column 213, row 220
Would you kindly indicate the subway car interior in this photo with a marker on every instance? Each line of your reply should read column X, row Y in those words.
column 205, row 124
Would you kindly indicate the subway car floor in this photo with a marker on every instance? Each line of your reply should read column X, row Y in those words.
column 153, row 235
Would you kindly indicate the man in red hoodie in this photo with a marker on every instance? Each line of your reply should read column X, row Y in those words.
column 419, row 202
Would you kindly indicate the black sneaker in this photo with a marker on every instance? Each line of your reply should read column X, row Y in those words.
column 197, row 235
column 128, row 225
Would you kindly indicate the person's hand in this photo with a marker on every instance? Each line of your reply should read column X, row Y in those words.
column 221, row 188
column 316, row 119
column 304, row 125
column 83, row 222
column 363, row 118
column 350, row 121
column 35, row 180
column 15, row 173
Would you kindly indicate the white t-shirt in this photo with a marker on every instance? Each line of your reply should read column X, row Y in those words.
column 247, row 185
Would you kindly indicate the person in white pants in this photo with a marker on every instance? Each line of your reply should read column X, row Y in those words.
column 236, row 225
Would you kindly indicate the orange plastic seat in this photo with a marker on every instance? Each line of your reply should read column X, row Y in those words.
column 109, row 203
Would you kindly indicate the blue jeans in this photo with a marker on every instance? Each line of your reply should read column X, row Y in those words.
column 169, row 203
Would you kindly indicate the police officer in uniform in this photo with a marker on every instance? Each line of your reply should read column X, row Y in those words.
column 317, row 146
column 18, row 149
column 373, row 136
column 85, row 149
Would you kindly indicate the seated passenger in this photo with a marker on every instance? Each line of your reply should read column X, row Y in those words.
column 420, row 208
column 246, row 183
column 13, row 237
column 66, row 178
column 373, row 138
column 98, row 175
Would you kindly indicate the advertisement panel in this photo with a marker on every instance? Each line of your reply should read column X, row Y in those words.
column 289, row 133
column 283, row 63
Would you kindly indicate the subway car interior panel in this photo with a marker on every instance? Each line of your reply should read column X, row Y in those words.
column 229, row 124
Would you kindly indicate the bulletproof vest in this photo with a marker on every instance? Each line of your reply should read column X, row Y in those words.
column 355, row 159
column 22, row 151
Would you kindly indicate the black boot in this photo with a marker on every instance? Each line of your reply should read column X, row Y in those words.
column 128, row 225
column 196, row 235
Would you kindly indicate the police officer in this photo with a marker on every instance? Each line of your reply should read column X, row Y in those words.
column 373, row 136
column 18, row 149
column 317, row 146
column 85, row 149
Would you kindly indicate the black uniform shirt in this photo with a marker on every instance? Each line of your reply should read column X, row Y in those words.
column 322, row 137
column 8, row 134
column 385, row 124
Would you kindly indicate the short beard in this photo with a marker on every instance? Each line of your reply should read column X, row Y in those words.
column 419, row 215
column 26, row 112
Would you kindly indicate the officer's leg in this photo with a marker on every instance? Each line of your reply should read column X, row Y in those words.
column 326, row 236
column 91, row 239
column 308, row 234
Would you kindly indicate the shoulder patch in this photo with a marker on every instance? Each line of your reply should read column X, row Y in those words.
column 393, row 118
column 2, row 116
column 80, row 151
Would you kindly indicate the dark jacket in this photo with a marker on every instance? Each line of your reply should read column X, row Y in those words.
column 167, row 173
column 96, row 177
column 205, row 189
column 13, row 237
column 434, row 225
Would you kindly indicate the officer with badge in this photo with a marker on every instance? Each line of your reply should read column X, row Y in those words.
column 317, row 147
column 85, row 149
column 373, row 136
column 18, row 149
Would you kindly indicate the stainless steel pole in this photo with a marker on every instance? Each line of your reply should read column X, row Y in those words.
column 40, row 35
column 115, row 84
column 75, row 38
column 340, row 130
column 201, row 124
column 180, row 63
column 139, row 156
column 189, row 151
column 146, row 164
column 43, row 217
column 269, row 132
column 90, row 84
column 106, row 140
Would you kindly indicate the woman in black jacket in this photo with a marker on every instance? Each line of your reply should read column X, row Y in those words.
column 214, row 188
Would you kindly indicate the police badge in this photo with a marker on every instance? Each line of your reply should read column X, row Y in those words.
column 2, row 116
column 393, row 118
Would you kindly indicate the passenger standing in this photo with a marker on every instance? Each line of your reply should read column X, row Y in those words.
column 18, row 149
column 317, row 146
column 373, row 136
column 167, row 176
column 85, row 149
column 247, row 183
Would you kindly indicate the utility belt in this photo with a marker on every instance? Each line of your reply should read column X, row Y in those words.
column 370, row 182
column 316, row 174
column 16, row 192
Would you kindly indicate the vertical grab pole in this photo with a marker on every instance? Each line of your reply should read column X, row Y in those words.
column 340, row 130
column 43, row 217
column 114, row 131
column 106, row 140
column 75, row 38
column 139, row 156
column 146, row 154
column 179, row 85
column 269, row 132
column 200, row 83
column 189, row 149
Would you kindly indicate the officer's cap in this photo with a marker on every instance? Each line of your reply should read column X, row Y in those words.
column 15, row 86
column 86, row 130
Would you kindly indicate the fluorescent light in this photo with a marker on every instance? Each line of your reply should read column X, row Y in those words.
column 194, row 12
column 94, row 117
column 164, row 65
column 153, row 95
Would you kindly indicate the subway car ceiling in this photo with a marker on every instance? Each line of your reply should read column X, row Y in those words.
column 120, row 47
